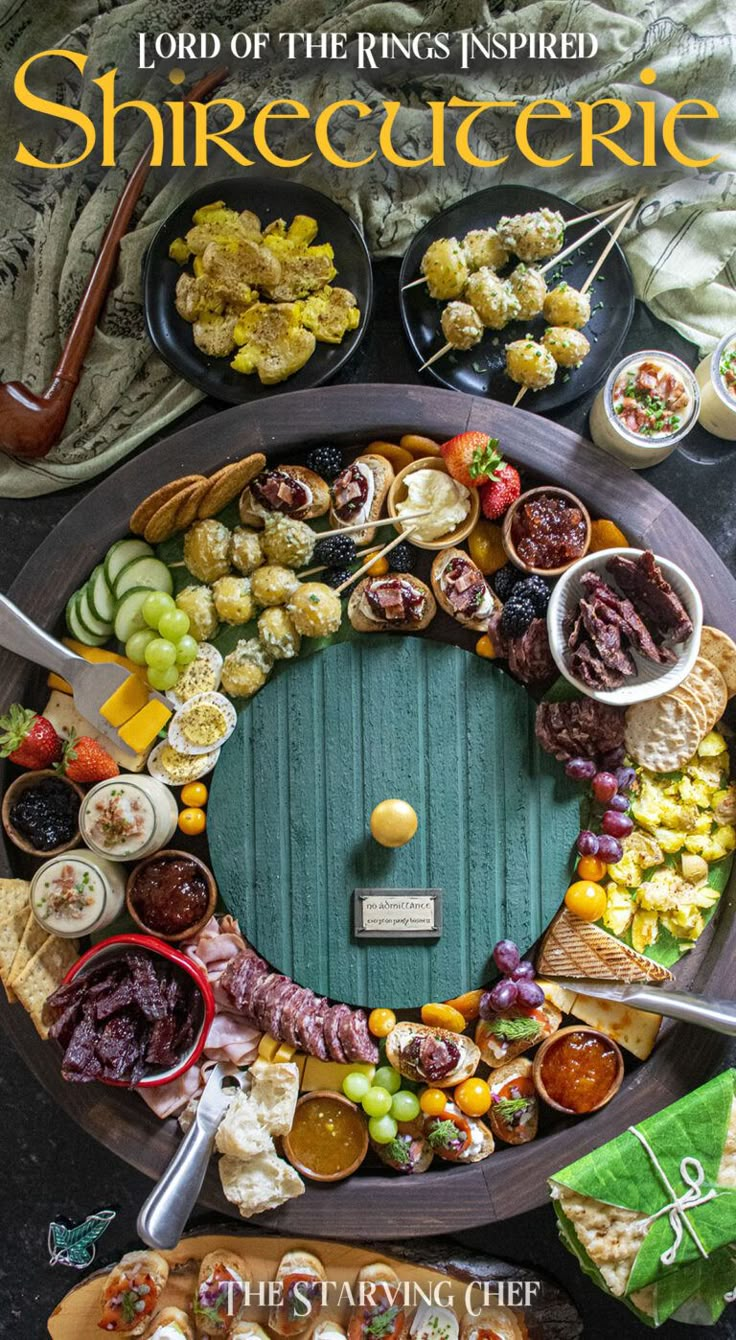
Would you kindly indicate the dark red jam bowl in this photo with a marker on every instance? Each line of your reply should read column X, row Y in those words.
column 204, row 1007
column 171, row 895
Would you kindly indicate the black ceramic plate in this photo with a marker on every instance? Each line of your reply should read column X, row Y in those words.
column 481, row 370
column 270, row 199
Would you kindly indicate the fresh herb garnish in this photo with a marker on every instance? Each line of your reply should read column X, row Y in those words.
column 514, row 1030
column 383, row 1324
column 507, row 1108
column 442, row 1134
column 211, row 1314
column 398, row 1150
column 128, row 1301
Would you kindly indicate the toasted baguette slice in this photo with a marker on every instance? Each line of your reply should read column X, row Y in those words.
column 490, row 602
column 383, row 477
column 496, row 1049
column 248, row 1330
column 173, row 1317
column 297, row 1263
column 378, row 1273
column 251, row 515
column 410, row 1136
column 132, row 1266
column 481, row 1138
column 499, row 1321
column 432, row 1321
column 364, row 623
column 327, row 1330
column 519, row 1128
column 240, row 1271
column 403, row 1033
column 363, row 1318
column 576, row 948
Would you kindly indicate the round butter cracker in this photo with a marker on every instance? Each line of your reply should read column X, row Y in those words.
column 228, row 483
column 706, row 680
column 720, row 650
column 662, row 734
column 692, row 698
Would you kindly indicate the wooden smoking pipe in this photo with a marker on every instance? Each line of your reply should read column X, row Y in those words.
column 30, row 423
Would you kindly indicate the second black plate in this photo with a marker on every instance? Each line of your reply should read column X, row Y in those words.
column 481, row 370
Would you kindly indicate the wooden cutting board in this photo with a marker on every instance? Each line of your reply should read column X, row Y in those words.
column 319, row 747
column 549, row 1316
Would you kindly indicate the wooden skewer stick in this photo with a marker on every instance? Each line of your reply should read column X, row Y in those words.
column 554, row 261
column 402, row 535
column 569, row 223
column 440, row 352
column 610, row 244
column 363, row 525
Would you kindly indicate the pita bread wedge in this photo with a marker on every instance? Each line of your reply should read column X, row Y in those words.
column 576, row 948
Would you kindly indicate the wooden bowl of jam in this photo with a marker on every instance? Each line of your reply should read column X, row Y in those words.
column 546, row 530
column 328, row 1139
column 578, row 1070
column 40, row 813
column 171, row 894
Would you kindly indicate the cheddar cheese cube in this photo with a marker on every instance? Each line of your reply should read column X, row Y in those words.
column 330, row 1074
column 129, row 698
column 143, row 728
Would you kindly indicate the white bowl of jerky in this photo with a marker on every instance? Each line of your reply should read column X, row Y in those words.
column 624, row 625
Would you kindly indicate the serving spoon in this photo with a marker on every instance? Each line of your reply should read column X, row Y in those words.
column 31, row 423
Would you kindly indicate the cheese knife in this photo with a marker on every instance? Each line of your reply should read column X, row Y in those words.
column 718, row 1015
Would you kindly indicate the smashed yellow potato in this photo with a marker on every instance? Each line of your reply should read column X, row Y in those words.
column 243, row 274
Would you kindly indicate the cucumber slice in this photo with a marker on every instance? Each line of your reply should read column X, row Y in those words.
column 145, row 571
column 129, row 618
column 100, row 596
column 77, row 628
column 97, row 627
column 120, row 553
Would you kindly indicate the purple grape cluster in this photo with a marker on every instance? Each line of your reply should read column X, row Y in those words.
column 609, row 786
column 517, row 985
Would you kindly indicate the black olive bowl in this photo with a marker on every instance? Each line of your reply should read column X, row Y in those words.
column 270, row 199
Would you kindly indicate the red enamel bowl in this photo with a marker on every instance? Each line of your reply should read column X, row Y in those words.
column 204, row 1007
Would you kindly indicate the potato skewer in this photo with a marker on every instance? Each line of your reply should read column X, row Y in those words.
column 402, row 535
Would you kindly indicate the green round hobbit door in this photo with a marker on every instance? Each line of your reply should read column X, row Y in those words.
column 330, row 736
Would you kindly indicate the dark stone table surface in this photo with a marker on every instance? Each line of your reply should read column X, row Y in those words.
column 50, row 1166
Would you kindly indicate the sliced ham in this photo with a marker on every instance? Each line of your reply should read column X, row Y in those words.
column 231, row 1039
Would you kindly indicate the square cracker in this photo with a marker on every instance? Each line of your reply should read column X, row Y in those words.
column 33, row 937
column 11, row 934
column 42, row 974
column 14, row 895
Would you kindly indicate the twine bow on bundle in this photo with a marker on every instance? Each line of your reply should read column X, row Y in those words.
column 693, row 1175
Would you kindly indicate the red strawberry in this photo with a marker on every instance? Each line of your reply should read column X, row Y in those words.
column 471, row 458
column 28, row 739
column 85, row 760
column 504, row 488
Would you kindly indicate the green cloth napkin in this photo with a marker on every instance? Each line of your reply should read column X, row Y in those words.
column 52, row 222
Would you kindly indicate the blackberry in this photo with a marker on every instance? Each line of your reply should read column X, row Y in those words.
column 335, row 551
column 402, row 559
column 516, row 616
column 325, row 461
column 335, row 577
column 534, row 588
column 505, row 580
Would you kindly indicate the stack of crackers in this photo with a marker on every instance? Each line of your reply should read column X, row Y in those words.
column 32, row 962
column 662, row 734
column 177, row 505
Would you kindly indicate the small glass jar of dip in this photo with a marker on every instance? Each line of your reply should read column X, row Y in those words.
column 717, row 381
column 126, row 818
column 76, row 893
column 648, row 405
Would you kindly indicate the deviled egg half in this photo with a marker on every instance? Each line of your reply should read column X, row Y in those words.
column 202, row 675
column 202, row 724
column 167, row 765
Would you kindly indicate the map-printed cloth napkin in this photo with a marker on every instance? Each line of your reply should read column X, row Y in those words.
column 681, row 248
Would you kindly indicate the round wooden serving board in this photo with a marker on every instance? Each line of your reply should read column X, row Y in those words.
column 512, row 1181
column 551, row 1315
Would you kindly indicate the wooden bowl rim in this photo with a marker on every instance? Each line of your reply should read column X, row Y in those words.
column 545, row 1047
column 22, row 783
column 453, row 537
column 302, row 1167
column 212, row 893
column 508, row 543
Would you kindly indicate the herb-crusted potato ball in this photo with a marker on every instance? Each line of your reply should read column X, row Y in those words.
column 246, row 553
column 273, row 584
column 533, row 236
column 568, row 347
column 565, row 306
column 246, row 669
column 483, row 246
column 287, row 540
column 198, row 603
column 530, row 290
column 493, row 300
column 233, row 599
column 530, row 364
column 315, row 609
column 461, row 325
column 207, row 550
column 443, row 266
column 278, row 634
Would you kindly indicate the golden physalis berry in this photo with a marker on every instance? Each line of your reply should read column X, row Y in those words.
column 473, row 1097
column 192, row 821
column 194, row 793
column 591, row 867
column 586, row 900
column 433, row 1102
column 380, row 1022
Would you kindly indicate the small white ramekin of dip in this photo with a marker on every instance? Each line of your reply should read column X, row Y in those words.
column 128, row 817
column 76, row 893
column 648, row 405
column 717, row 381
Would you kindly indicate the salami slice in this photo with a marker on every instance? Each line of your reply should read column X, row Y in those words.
column 291, row 1014
column 240, row 976
column 332, row 1038
column 276, row 1006
column 365, row 1046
